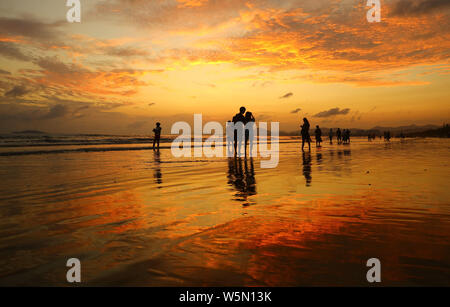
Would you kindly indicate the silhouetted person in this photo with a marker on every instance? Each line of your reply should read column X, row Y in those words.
column 339, row 135
column 250, row 124
column 318, row 134
column 307, row 168
column 239, row 119
column 157, row 136
column 330, row 135
column 305, row 133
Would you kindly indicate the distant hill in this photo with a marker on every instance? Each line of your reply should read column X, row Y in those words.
column 406, row 129
column 442, row 132
column 29, row 132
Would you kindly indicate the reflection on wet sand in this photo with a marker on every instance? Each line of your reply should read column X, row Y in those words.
column 307, row 167
column 158, row 174
column 306, row 244
column 241, row 175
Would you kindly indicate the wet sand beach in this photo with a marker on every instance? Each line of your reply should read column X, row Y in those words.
column 139, row 217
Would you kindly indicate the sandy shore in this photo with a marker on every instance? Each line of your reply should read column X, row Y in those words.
column 138, row 217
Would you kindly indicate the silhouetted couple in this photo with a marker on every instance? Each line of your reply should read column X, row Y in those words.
column 246, row 122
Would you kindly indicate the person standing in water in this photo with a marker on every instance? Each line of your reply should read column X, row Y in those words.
column 239, row 122
column 339, row 135
column 305, row 133
column 318, row 134
column 157, row 136
column 330, row 135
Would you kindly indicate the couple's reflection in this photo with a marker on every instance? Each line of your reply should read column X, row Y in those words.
column 157, row 173
column 241, row 175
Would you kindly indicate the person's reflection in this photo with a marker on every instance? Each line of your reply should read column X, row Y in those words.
column 307, row 168
column 157, row 174
column 242, row 178
column 319, row 158
column 250, row 177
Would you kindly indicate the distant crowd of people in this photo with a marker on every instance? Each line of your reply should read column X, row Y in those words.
column 343, row 137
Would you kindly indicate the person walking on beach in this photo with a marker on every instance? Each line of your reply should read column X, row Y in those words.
column 249, row 136
column 157, row 136
column 318, row 134
column 330, row 135
column 339, row 135
column 305, row 134
column 238, row 120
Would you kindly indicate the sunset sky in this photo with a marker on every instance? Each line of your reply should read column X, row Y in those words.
column 130, row 63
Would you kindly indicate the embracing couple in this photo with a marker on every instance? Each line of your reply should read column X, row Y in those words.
column 247, row 120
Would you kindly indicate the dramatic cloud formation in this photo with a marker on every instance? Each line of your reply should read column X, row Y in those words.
column 224, row 54
column 332, row 112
